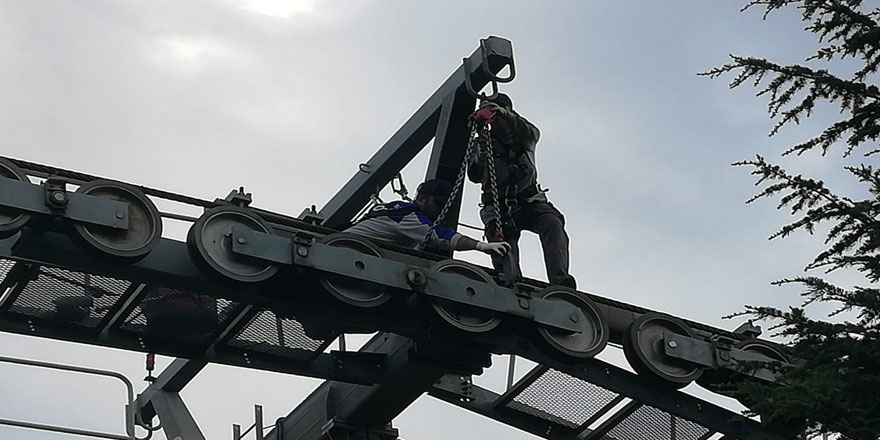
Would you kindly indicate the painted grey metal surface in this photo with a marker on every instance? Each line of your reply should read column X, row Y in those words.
column 58, row 251
column 83, row 208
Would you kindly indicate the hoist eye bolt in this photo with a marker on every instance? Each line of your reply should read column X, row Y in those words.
column 486, row 50
column 493, row 77
column 470, row 87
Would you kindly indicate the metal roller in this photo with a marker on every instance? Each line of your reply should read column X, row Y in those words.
column 461, row 316
column 354, row 292
column 209, row 242
column 128, row 245
column 643, row 348
column 720, row 379
column 593, row 334
column 11, row 220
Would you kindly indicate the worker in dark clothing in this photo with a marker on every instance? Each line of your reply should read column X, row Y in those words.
column 523, row 204
column 412, row 224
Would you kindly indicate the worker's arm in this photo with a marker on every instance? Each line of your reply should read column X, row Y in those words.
column 514, row 130
column 521, row 135
column 498, row 249
column 461, row 242
column 416, row 227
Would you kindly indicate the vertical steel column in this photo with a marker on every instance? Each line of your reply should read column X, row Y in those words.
column 450, row 145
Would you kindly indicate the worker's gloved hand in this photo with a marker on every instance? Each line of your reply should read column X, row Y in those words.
column 484, row 115
column 498, row 249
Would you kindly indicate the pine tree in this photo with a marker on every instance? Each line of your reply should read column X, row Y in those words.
column 835, row 386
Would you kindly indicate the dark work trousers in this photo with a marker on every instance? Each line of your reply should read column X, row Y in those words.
column 543, row 219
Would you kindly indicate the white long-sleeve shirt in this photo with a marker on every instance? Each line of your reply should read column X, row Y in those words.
column 405, row 226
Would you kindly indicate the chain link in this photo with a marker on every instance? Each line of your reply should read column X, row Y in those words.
column 489, row 152
column 459, row 182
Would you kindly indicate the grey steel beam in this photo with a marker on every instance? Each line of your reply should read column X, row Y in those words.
column 359, row 405
column 450, row 144
column 647, row 391
column 413, row 136
column 169, row 262
column 524, row 382
column 453, row 390
column 177, row 421
column 605, row 427
column 118, row 313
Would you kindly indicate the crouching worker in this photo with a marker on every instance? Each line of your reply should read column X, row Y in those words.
column 408, row 224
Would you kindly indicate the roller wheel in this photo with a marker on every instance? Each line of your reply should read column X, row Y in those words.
column 352, row 291
column 772, row 351
column 721, row 379
column 11, row 220
column 461, row 316
column 643, row 348
column 144, row 224
column 209, row 242
column 593, row 327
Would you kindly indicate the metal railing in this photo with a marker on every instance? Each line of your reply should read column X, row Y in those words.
column 130, row 417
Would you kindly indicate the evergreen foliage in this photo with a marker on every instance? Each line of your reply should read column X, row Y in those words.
column 836, row 385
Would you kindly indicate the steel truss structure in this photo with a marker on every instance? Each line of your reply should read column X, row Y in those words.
column 262, row 290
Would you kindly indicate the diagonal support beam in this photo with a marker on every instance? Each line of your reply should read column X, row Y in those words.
column 463, row 394
column 368, row 407
column 177, row 422
column 414, row 135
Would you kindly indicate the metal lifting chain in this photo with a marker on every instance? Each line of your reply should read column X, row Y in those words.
column 489, row 151
column 459, row 181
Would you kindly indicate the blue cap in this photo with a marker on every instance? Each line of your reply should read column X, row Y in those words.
column 435, row 187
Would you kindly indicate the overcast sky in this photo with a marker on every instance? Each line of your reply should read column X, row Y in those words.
column 287, row 97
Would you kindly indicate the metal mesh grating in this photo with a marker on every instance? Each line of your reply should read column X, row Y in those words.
column 5, row 267
column 270, row 334
column 179, row 315
column 649, row 422
column 72, row 297
column 561, row 398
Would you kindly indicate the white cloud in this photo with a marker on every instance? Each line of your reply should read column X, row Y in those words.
column 190, row 55
column 279, row 8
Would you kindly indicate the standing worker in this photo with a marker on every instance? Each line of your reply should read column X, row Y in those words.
column 412, row 224
column 523, row 205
